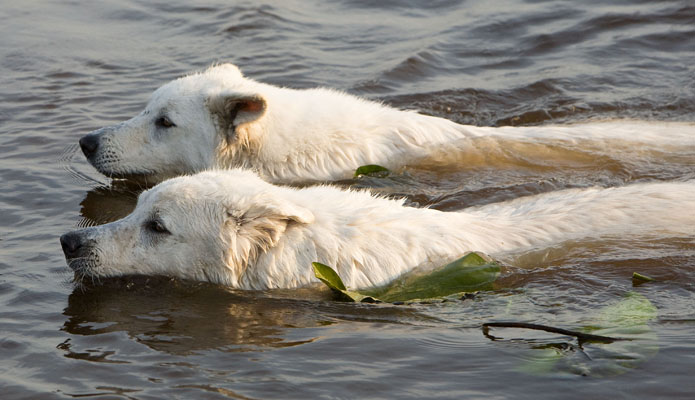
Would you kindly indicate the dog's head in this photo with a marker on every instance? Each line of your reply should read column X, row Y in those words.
column 206, row 227
column 183, row 128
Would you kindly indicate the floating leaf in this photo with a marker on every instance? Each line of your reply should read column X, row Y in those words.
column 372, row 169
column 639, row 278
column 469, row 273
column 328, row 276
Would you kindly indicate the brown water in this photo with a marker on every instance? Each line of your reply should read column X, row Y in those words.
column 68, row 67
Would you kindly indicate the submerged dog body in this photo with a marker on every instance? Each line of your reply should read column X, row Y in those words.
column 232, row 228
column 220, row 119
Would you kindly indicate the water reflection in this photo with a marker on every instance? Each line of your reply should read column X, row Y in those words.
column 182, row 317
column 106, row 204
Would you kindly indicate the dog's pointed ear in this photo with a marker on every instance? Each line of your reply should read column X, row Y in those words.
column 228, row 69
column 235, row 109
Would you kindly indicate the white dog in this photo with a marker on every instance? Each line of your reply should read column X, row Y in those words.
column 220, row 119
column 232, row 228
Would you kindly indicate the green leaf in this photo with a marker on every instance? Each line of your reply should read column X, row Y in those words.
column 639, row 278
column 469, row 273
column 628, row 316
column 627, row 319
column 372, row 169
column 329, row 277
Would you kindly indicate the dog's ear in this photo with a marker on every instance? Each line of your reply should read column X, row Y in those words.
column 287, row 212
column 236, row 109
column 256, row 229
column 227, row 69
column 266, row 220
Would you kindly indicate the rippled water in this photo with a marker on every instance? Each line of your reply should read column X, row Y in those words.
column 67, row 67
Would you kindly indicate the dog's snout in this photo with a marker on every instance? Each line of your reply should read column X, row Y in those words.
column 89, row 144
column 72, row 244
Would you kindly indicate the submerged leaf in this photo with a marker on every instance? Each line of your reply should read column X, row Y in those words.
column 628, row 316
column 627, row 319
column 372, row 169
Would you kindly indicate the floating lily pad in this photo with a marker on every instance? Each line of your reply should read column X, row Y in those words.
column 470, row 273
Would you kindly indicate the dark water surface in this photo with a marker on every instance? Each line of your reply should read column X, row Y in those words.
column 68, row 67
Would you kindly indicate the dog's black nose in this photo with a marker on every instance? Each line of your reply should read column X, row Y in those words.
column 89, row 144
column 72, row 244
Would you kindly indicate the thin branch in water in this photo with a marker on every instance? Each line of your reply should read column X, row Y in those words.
column 582, row 337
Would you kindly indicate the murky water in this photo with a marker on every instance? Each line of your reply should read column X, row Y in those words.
column 68, row 67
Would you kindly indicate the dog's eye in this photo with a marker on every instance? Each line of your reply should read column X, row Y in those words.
column 164, row 122
column 157, row 226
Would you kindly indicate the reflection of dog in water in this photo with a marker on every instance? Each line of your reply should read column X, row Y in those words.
column 232, row 228
column 165, row 314
column 104, row 204
column 219, row 118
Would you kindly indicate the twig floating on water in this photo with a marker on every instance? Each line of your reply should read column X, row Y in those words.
column 583, row 337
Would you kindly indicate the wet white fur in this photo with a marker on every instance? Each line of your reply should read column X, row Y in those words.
column 231, row 227
column 310, row 135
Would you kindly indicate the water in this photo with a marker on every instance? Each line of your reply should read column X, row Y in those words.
column 69, row 67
